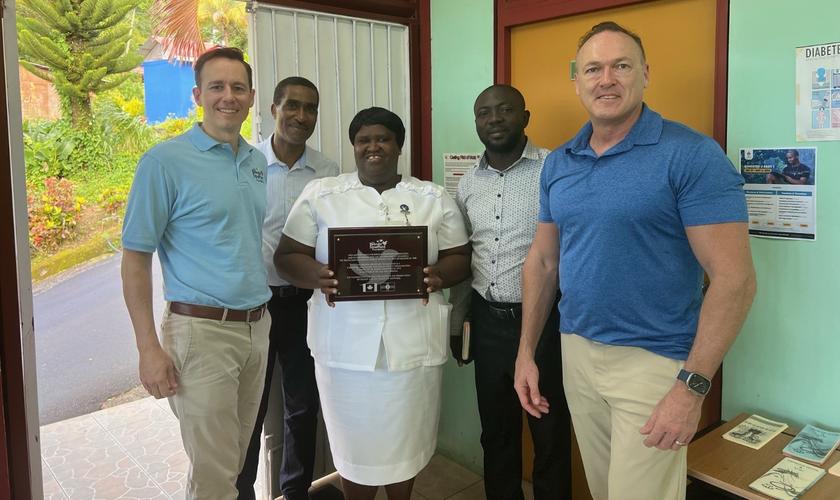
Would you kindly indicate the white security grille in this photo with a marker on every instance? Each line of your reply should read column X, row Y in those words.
column 355, row 63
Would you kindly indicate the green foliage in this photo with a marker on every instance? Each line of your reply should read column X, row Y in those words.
column 85, row 46
column 112, row 200
column 58, row 149
column 223, row 22
column 53, row 213
column 172, row 127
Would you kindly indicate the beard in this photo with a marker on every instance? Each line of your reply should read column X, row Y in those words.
column 507, row 145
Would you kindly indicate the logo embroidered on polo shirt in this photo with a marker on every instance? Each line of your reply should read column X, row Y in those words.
column 259, row 175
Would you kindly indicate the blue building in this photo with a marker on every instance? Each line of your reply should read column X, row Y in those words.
column 167, row 82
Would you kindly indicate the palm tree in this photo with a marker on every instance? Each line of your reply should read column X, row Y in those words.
column 179, row 22
column 224, row 18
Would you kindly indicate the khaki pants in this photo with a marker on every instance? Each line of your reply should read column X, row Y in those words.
column 221, row 370
column 611, row 391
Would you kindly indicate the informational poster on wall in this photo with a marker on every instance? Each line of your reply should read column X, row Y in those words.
column 818, row 92
column 455, row 165
column 781, row 189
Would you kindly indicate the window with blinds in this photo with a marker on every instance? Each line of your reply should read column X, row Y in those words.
column 355, row 63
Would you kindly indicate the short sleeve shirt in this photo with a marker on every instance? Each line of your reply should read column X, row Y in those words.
column 348, row 335
column 202, row 208
column 284, row 184
column 629, row 274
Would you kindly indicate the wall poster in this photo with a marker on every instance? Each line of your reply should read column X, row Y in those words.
column 781, row 189
column 818, row 92
column 455, row 165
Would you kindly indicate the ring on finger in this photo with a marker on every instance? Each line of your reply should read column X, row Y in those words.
column 679, row 443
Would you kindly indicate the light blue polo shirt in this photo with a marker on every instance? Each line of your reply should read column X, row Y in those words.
column 629, row 276
column 202, row 209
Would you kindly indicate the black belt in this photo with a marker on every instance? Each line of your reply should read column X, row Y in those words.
column 506, row 310
column 289, row 291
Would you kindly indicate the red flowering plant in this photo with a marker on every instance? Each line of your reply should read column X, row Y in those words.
column 53, row 214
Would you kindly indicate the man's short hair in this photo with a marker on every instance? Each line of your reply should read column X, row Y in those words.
column 378, row 116
column 615, row 27
column 794, row 152
column 226, row 52
column 508, row 88
column 280, row 89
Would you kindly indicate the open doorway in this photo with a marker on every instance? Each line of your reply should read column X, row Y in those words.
column 110, row 344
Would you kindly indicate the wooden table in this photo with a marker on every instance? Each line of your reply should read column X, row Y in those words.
column 732, row 467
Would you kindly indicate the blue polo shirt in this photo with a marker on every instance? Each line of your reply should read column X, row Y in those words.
column 628, row 274
column 202, row 208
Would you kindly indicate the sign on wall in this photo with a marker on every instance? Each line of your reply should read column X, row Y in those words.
column 781, row 189
column 455, row 165
column 818, row 92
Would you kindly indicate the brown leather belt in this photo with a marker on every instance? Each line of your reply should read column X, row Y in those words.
column 217, row 313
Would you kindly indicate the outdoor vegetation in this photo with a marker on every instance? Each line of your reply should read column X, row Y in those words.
column 79, row 167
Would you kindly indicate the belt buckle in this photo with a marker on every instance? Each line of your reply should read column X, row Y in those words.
column 505, row 312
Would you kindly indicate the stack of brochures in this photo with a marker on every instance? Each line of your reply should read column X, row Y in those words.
column 813, row 445
column 788, row 479
column 755, row 431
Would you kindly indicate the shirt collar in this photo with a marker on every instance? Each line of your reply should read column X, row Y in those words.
column 530, row 152
column 267, row 149
column 203, row 142
column 647, row 130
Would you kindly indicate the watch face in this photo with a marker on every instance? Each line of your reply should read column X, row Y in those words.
column 698, row 383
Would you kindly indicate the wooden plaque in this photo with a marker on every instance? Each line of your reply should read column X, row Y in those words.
column 378, row 263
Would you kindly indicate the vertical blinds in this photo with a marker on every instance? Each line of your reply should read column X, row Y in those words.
column 355, row 63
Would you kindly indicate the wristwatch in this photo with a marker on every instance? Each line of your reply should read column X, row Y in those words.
column 696, row 383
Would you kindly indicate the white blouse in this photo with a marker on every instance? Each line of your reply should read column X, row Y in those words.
column 348, row 335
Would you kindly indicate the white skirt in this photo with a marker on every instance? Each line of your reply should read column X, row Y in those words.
column 382, row 426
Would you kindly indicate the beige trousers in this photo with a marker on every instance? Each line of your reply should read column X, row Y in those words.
column 221, row 371
column 612, row 391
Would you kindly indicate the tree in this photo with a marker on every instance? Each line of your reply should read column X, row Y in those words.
column 84, row 46
column 224, row 22
column 178, row 26
column 181, row 24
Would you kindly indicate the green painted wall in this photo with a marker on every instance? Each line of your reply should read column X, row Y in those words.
column 462, row 66
column 786, row 362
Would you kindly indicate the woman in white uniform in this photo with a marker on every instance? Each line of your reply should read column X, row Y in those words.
column 378, row 363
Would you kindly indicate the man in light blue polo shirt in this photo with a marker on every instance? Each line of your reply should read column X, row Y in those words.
column 199, row 200
column 640, row 207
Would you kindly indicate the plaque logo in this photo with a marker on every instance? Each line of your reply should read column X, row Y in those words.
column 375, row 268
column 378, row 245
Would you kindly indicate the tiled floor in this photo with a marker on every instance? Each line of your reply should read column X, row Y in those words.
column 133, row 451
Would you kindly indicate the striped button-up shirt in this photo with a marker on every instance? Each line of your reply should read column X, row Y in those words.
column 283, row 187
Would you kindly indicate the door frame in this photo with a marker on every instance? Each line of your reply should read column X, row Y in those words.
column 20, row 466
column 416, row 15
column 512, row 13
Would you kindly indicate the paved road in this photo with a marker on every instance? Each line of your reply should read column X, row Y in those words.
column 84, row 343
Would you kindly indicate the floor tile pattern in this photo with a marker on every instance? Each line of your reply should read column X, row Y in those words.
column 134, row 451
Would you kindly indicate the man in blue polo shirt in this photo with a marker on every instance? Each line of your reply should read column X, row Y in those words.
column 199, row 201
column 640, row 207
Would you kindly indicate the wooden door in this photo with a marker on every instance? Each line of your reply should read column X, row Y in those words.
column 680, row 39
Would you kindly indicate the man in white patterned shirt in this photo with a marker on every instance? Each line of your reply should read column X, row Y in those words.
column 291, row 165
column 499, row 198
